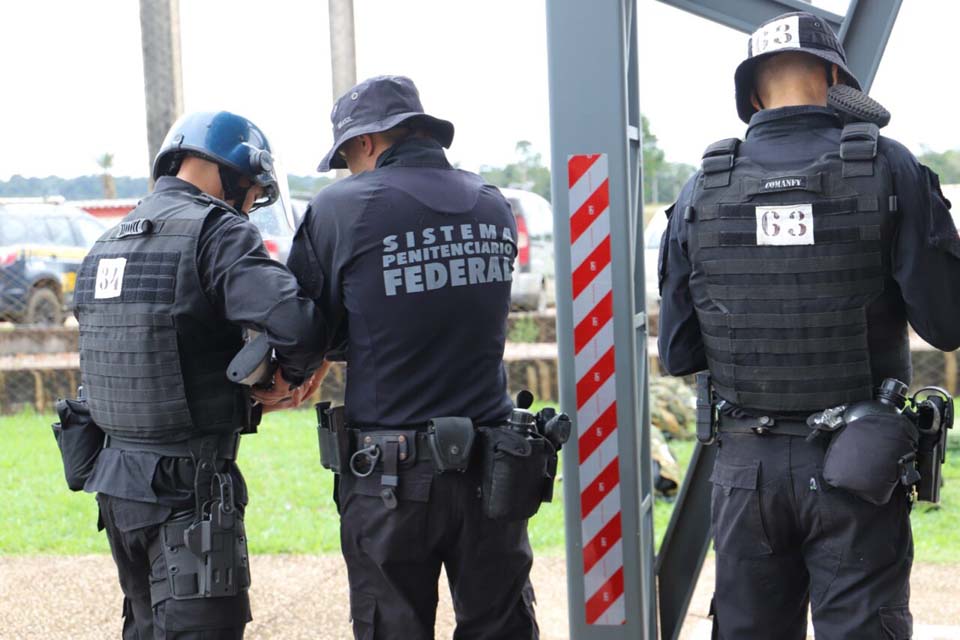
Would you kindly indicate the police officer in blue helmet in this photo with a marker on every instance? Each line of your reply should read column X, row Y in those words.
column 162, row 300
column 792, row 265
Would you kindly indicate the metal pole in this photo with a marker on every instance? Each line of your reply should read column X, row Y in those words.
column 601, row 327
column 162, row 76
column 343, row 51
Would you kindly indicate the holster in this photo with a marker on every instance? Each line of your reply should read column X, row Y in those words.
column 518, row 473
column 79, row 440
column 706, row 413
column 935, row 418
column 333, row 436
column 206, row 556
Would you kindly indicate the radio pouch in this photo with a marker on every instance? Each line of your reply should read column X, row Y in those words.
column 517, row 468
column 79, row 439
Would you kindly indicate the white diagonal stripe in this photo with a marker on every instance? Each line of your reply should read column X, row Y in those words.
column 593, row 350
column 601, row 515
column 593, row 409
column 601, row 572
column 615, row 615
column 588, row 183
column 598, row 460
column 591, row 239
column 592, row 294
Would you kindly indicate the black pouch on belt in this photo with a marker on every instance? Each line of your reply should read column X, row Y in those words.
column 79, row 439
column 333, row 436
column 871, row 455
column 451, row 443
column 517, row 468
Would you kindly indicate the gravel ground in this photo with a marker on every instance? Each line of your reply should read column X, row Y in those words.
column 306, row 597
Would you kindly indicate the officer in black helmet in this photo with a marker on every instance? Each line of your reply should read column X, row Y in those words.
column 411, row 260
column 792, row 264
column 162, row 300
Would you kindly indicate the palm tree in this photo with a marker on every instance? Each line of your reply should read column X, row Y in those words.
column 109, row 186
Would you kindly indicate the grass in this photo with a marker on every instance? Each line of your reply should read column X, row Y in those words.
column 291, row 507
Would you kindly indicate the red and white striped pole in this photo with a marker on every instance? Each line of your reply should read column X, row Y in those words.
column 596, row 398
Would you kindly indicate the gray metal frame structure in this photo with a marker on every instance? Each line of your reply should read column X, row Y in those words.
column 863, row 31
column 594, row 109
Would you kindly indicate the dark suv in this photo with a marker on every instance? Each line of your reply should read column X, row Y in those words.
column 41, row 247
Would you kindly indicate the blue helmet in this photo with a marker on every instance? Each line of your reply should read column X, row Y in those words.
column 237, row 145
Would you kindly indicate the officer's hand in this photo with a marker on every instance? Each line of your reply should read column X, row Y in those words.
column 279, row 392
column 290, row 399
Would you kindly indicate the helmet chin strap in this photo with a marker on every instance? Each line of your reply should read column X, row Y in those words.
column 232, row 191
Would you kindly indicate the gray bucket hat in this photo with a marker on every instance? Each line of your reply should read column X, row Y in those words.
column 378, row 104
column 797, row 31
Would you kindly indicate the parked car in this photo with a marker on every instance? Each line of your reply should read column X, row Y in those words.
column 651, row 256
column 277, row 223
column 533, row 276
column 42, row 244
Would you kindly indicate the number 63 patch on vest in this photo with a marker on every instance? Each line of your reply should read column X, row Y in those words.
column 785, row 225
column 110, row 278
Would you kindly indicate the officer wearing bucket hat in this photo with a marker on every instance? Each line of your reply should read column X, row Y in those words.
column 411, row 260
column 791, row 266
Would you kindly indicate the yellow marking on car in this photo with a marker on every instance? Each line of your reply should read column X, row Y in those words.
column 55, row 252
column 69, row 281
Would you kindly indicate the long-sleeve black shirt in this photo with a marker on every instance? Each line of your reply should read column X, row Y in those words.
column 249, row 289
column 411, row 263
column 925, row 253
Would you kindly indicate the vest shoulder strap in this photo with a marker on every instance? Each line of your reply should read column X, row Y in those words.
column 717, row 164
column 858, row 148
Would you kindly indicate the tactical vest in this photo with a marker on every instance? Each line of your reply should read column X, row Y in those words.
column 153, row 350
column 791, row 276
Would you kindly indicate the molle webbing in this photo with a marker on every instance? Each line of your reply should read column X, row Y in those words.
column 152, row 354
column 785, row 325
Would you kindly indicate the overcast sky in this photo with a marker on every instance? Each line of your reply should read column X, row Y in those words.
column 73, row 80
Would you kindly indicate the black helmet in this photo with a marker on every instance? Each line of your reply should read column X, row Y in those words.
column 237, row 145
column 798, row 31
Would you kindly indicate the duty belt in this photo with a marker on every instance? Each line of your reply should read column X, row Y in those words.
column 225, row 446
column 365, row 438
column 764, row 425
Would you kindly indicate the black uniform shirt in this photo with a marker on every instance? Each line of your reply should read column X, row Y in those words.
column 249, row 289
column 925, row 254
column 411, row 263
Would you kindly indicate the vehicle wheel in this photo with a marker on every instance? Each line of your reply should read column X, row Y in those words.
column 44, row 308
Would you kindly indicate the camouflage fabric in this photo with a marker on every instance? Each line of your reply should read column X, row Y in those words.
column 666, row 471
column 673, row 407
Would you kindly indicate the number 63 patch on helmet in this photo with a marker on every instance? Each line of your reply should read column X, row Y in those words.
column 785, row 225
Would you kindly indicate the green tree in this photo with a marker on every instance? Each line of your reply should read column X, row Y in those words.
column 945, row 164
column 528, row 172
column 109, row 185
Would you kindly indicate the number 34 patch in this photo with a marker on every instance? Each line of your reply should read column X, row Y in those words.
column 785, row 225
column 110, row 278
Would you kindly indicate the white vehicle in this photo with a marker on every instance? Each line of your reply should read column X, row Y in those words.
column 651, row 255
column 533, row 275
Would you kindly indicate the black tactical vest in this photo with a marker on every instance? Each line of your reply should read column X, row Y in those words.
column 791, row 276
column 153, row 350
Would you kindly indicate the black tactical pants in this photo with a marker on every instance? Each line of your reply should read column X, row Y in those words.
column 394, row 557
column 132, row 530
column 785, row 540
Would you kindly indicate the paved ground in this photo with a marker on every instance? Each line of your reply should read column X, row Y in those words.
column 305, row 597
